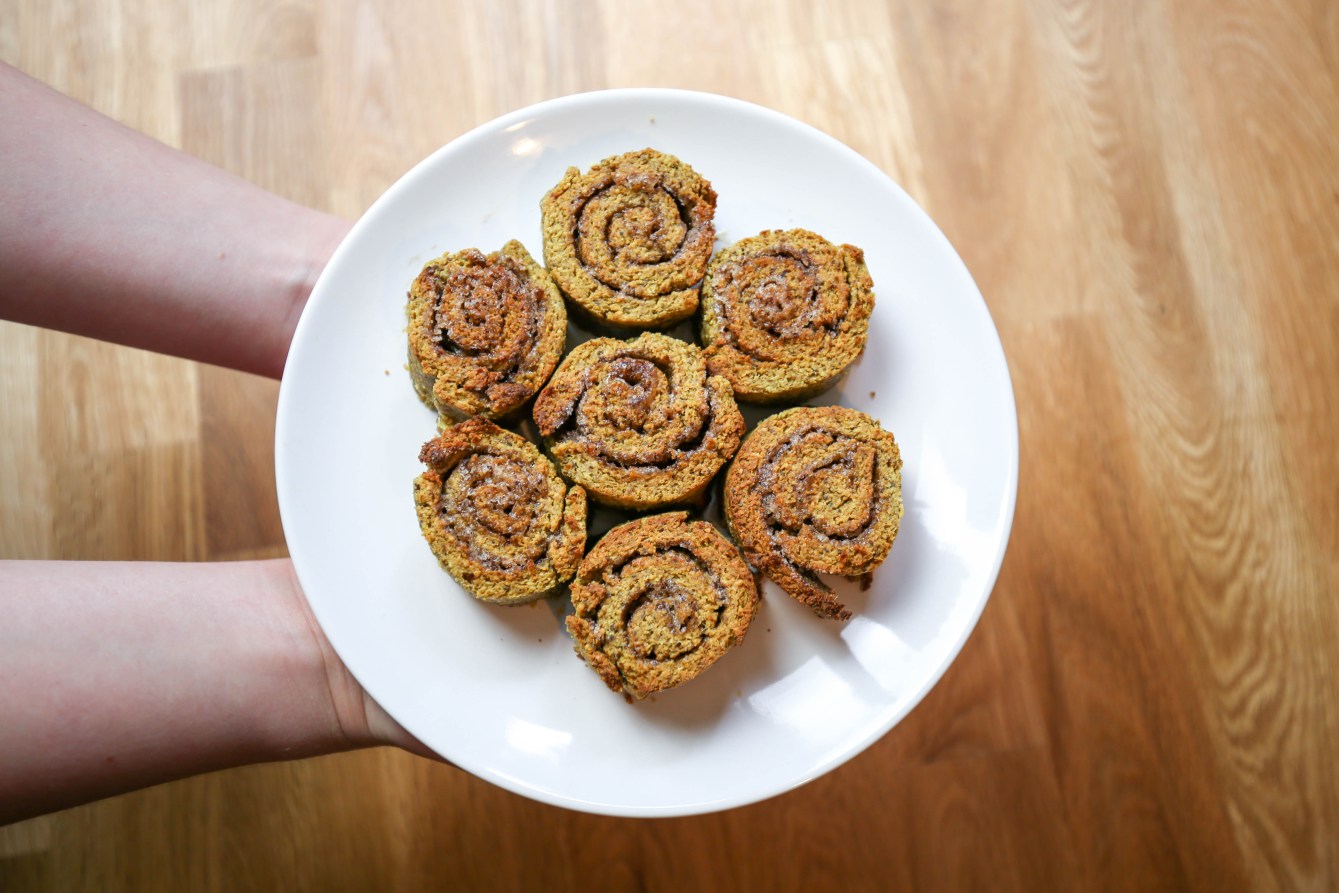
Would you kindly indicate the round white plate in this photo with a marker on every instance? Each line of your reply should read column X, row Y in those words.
column 499, row 691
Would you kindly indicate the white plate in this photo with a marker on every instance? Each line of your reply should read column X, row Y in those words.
column 499, row 691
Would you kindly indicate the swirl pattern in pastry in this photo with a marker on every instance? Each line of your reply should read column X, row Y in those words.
column 784, row 313
column 497, row 515
column 628, row 241
column 815, row 490
column 638, row 423
column 485, row 332
column 659, row 600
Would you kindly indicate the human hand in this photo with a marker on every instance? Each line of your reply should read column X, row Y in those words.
column 360, row 719
column 120, row 675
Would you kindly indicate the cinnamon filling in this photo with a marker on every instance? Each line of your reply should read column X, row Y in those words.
column 491, row 505
column 488, row 312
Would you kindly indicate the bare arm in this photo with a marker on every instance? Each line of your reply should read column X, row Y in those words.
column 120, row 675
column 114, row 676
column 111, row 234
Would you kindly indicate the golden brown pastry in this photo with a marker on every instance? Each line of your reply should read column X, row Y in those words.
column 638, row 423
column 629, row 240
column 815, row 490
column 658, row 601
column 497, row 515
column 784, row 313
column 485, row 332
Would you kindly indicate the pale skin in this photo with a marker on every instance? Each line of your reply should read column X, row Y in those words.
column 120, row 675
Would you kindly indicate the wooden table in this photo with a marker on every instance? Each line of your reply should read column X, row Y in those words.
column 1148, row 196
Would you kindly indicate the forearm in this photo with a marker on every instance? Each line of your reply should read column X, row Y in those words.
column 121, row 675
column 111, row 234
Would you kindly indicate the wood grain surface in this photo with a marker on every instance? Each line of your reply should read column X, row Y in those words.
column 1148, row 196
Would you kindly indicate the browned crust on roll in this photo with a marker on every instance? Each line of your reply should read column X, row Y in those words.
column 815, row 490
column 638, row 423
column 659, row 600
column 485, row 332
column 496, row 514
column 628, row 241
column 784, row 314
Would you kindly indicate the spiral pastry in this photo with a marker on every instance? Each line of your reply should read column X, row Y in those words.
column 496, row 514
column 485, row 332
column 784, row 313
column 628, row 241
column 658, row 600
column 639, row 423
column 815, row 490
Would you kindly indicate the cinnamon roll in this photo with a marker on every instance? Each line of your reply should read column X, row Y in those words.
column 658, row 600
column 497, row 515
column 784, row 313
column 638, row 423
column 485, row 332
column 815, row 490
column 629, row 240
